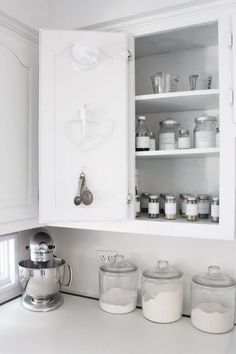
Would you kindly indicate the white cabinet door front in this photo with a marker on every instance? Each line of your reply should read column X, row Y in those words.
column 83, row 125
column 18, row 127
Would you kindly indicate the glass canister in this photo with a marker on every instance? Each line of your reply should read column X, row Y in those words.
column 170, row 207
column 205, row 131
column 215, row 209
column 203, row 206
column 153, row 206
column 144, row 198
column 162, row 293
column 184, row 139
column 168, row 134
column 118, row 284
column 213, row 301
column 191, row 208
column 142, row 135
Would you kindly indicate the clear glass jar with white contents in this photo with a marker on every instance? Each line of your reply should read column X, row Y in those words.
column 184, row 139
column 118, row 285
column 153, row 206
column 191, row 208
column 170, row 207
column 168, row 134
column 215, row 209
column 213, row 301
column 162, row 293
column 142, row 135
column 205, row 132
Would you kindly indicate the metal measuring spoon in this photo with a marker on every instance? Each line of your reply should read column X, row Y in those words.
column 78, row 199
column 87, row 196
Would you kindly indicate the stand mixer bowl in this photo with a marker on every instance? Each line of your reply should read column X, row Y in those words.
column 43, row 281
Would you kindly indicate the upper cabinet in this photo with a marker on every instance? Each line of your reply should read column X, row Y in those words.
column 92, row 87
column 18, row 129
column 84, row 115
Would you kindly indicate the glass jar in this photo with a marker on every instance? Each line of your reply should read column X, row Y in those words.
column 183, row 202
column 152, row 141
column 184, row 140
column 153, row 207
column 191, row 208
column 118, row 284
column 142, row 135
column 213, row 301
column 205, row 132
column 215, row 212
column 144, row 198
column 170, row 207
column 137, row 206
column 168, row 135
column 162, row 203
column 162, row 293
column 203, row 206
column 164, row 82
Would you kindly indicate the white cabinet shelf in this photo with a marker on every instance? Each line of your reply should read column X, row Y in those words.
column 177, row 101
column 162, row 154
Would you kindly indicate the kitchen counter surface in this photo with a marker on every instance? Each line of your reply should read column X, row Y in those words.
column 80, row 327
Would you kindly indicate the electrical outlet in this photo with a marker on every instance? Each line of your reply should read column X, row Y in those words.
column 105, row 256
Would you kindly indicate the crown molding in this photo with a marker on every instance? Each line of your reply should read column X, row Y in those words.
column 167, row 14
column 18, row 27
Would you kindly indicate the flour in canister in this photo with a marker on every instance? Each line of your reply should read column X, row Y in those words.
column 164, row 307
column 212, row 317
column 118, row 300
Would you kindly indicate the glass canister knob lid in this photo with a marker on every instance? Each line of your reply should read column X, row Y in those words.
column 163, row 270
column 214, row 277
column 118, row 264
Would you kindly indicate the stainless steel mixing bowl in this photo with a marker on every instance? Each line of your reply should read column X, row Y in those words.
column 40, row 281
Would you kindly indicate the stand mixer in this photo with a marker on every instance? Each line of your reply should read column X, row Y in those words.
column 42, row 275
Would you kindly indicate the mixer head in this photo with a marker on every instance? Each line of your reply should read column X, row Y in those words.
column 41, row 247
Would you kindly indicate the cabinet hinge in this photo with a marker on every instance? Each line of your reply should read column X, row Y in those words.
column 129, row 198
column 129, row 55
column 231, row 96
column 230, row 40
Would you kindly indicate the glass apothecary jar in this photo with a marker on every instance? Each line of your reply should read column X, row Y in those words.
column 168, row 134
column 118, row 285
column 213, row 301
column 205, row 132
column 162, row 293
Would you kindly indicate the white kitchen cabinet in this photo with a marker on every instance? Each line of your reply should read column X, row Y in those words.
column 18, row 127
column 99, row 78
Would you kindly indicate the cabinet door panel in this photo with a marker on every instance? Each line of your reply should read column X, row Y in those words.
column 18, row 128
column 83, row 124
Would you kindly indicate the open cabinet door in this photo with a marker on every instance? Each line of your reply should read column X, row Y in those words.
column 84, row 99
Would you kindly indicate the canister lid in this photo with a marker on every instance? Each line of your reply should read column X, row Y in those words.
column 214, row 278
column 169, row 121
column 118, row 264
column 204, row 118
column 141, row 118
column 163, row 270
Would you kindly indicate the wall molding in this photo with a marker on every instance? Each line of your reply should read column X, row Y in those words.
column 167, row 14
column 18, row 27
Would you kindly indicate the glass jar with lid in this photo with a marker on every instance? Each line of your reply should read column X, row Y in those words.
column 184, row 139
column 205, row 131
column 118, row 284
column 162, row 293
column 168, row 134
column 170, row 207
column 142, row 135
column 213, row 301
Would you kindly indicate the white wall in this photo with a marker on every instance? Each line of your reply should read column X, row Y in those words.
column 79, row 248
column 30, row 12
column 69, row 14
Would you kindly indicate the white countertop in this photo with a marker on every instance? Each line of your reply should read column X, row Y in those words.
column 80, row 327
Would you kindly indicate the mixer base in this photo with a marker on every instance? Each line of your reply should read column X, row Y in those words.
column 43, row 305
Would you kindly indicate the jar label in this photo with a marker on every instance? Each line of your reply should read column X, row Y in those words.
column 152, row 144
column 137, row 206
column 184, row 142
column 167, row 141
column 203, row 208
column 215, row 211
column 153, row 208
column 170, row 208
column 205, row 139
column 191, row 209
column 142, row 142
